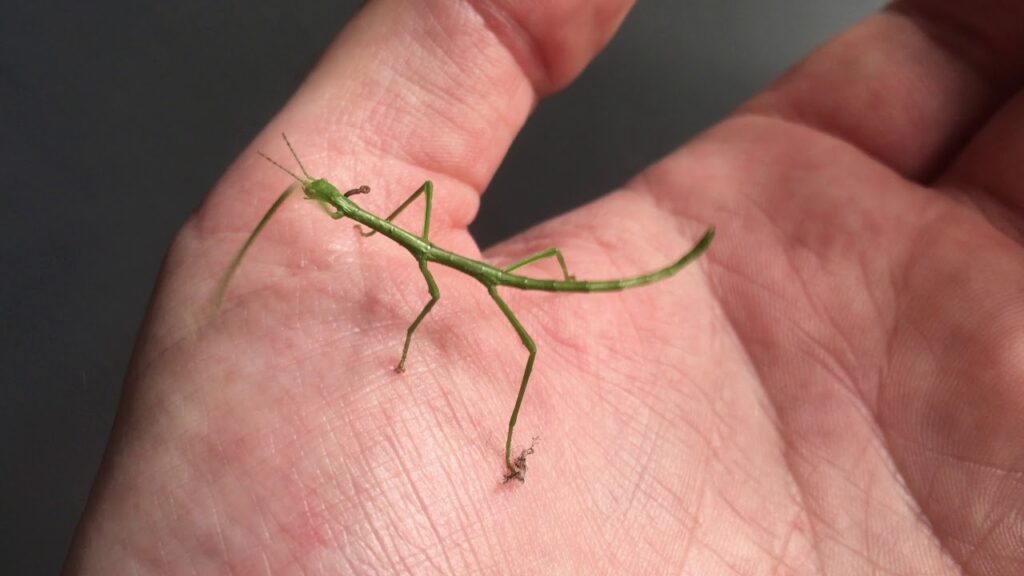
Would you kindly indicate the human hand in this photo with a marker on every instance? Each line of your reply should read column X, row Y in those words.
column 837, row 386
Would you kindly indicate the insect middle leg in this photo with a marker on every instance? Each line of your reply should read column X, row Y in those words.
column 517, row 469
column 549, row 253
column 435, row 295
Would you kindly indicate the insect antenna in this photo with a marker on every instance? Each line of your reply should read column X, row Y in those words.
column 296, row 156
column 222, row 286
column 275, row 163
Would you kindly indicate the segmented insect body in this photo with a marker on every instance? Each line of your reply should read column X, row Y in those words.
column 340, row 205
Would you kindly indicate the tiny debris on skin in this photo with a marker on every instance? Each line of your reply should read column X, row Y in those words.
column 519, row 464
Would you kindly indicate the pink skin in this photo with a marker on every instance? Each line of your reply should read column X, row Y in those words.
column 836, row 387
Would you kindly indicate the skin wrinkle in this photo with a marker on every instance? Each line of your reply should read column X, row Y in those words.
column 749, row 281
column 653, row 214
column 470, row 173
column 347, row 133
column 927, row 501
column 823, row 365
column 626, row 379
column 660, row 495
column 961, row 40
column 424, row 512
column 782, row 237
column 827, row 120
column 881, row 449
column 653, row 555
column 780, row 557
column 571, row 347
column 1014, row 475
column 881, row 319
column 480, row 131
column 865, row 527
column 591, row 499
column 639, row 478
column 746, row 473
column 849, row 390
column 692, row 523
column 748, row 521
column 377, row 554
column 925, row 520
column 977, row 546
column 768, row 531
column 898, row 280
column 940, row 541
column 348, row 498
column 261, row 514
column 816, row 459
column 710, row 549
column 183, row 343
column 614, row 404
column 756, row 480
column 455, row 493
column 474, row 524
column 381, row 113
column 835, row 534
column 467, row 552
column 521, row 45
column 793, row 478
column 415, row 500
column 694, row 519
column 765, row 400
column 330, row 481
column 843, row 376
column 999, row 212
column 641, row 189
column 307, row 519
column 218, row 527
column 192, row 538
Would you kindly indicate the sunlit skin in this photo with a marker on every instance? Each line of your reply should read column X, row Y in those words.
column 835, row 387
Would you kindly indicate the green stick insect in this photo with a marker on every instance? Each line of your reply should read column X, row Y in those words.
column 339, row 205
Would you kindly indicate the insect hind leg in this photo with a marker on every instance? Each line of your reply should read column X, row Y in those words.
column 516, row 469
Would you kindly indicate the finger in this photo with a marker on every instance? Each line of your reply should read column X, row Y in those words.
column 989, row 169
column 438, row 87
column 910, row 84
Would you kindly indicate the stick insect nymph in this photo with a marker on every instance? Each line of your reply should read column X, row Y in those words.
column 424, row 251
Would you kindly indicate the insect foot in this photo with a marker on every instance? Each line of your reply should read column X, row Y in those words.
column 518, row 469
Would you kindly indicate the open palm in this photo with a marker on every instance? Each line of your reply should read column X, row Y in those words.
column 836, row 387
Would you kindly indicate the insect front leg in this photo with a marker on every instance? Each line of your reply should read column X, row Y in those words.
column 427, row 189
column 435, row 295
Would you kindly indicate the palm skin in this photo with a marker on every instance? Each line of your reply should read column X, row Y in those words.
column 836, row 387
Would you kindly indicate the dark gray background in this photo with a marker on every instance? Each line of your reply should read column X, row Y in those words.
column 118, row 116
